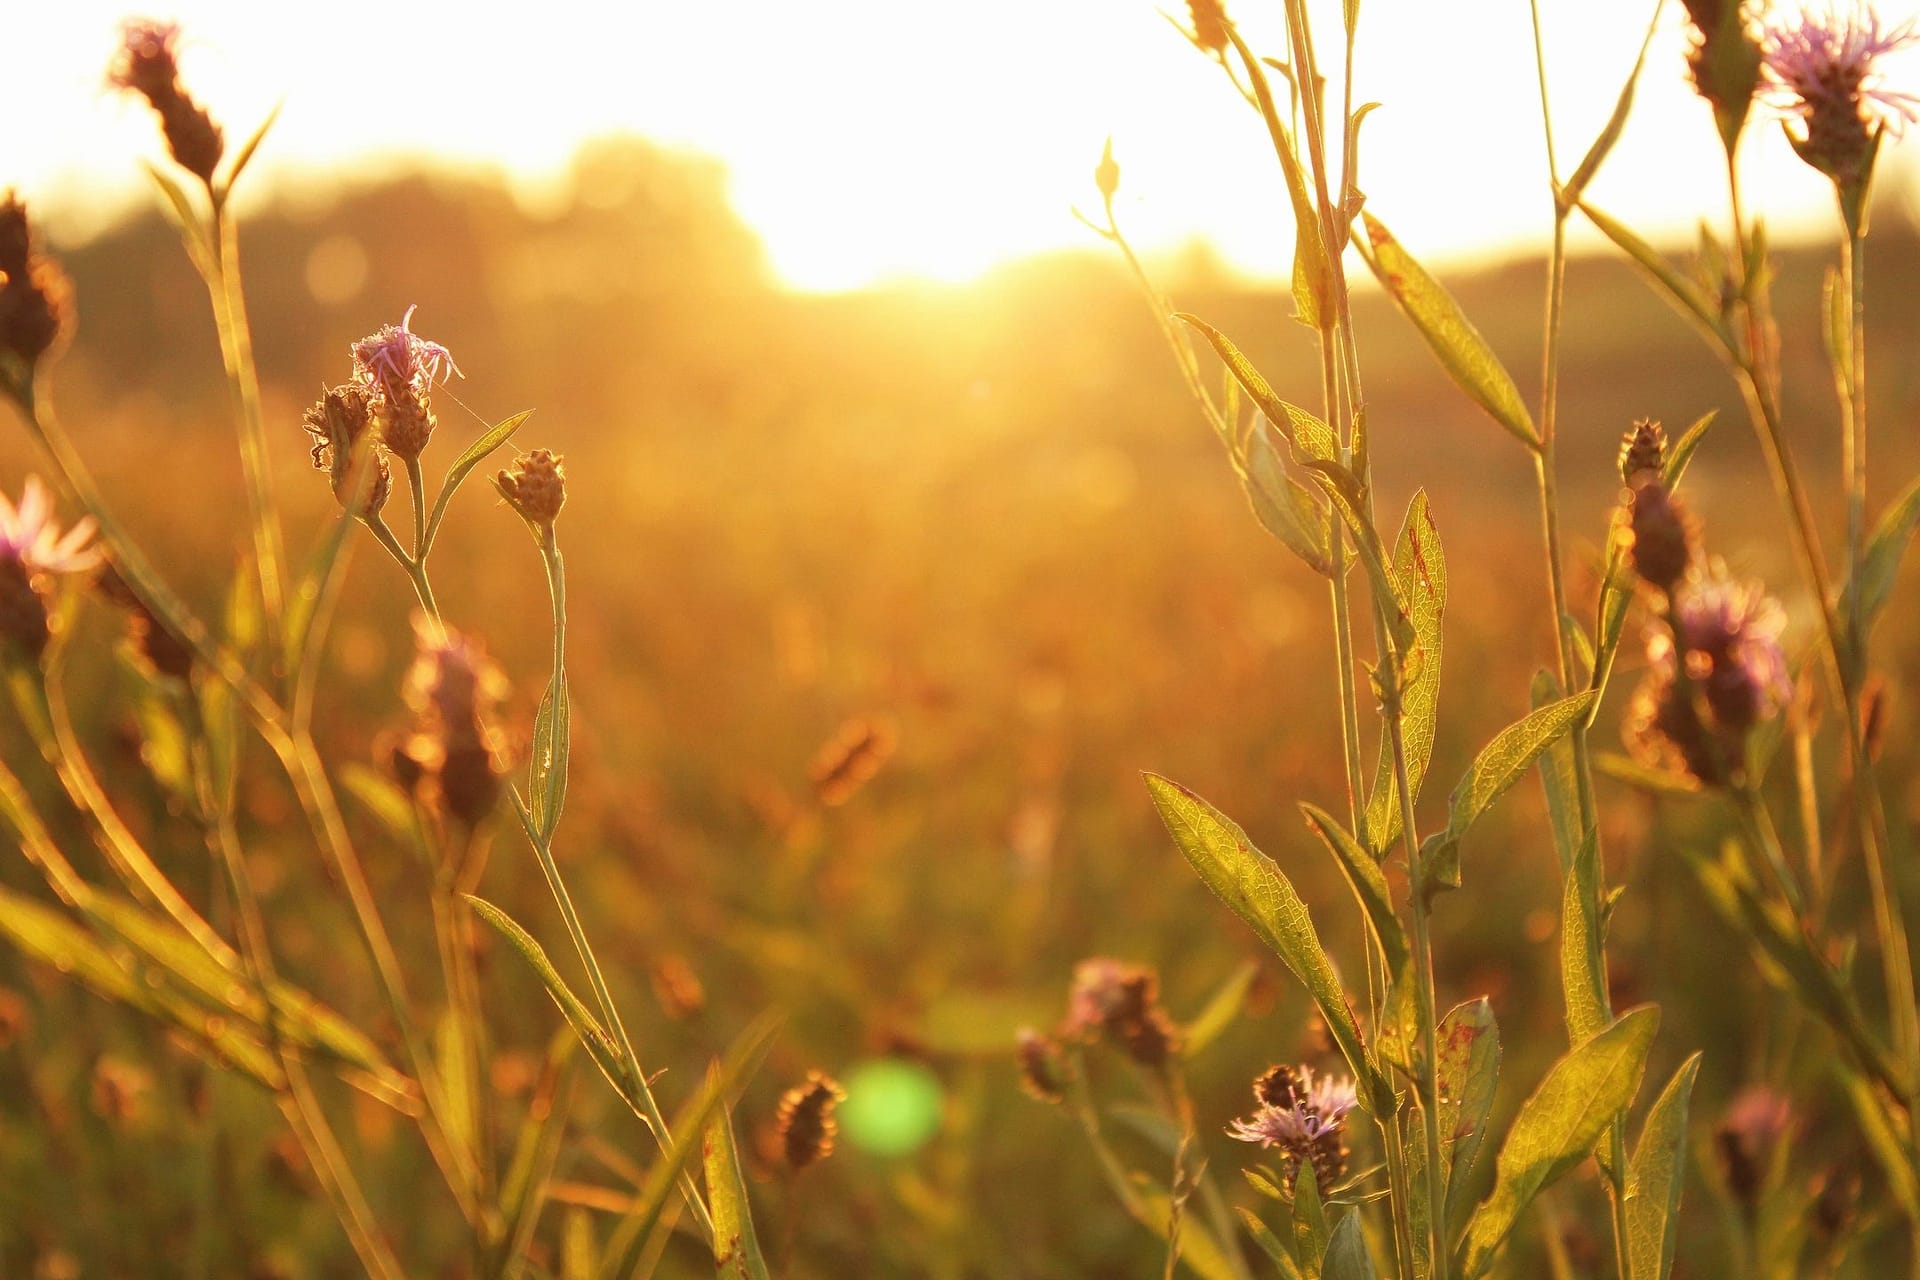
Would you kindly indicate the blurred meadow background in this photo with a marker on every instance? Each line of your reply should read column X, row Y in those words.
column 868, row 441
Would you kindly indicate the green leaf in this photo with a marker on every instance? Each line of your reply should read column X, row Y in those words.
column 1270, row 1244
column 689, row 1133
column 1312, row 266
column 1220, row 1012
column 473, row 456
column 1251, row 380
column 1249, row 882
column 1569, row 195
column 1309, row 1216
column 1655, row 1176
column 1462, row 352
column 383, row 799
column 1880, row 562
column 1421, row 569
column 1889, row 1146
column 303, row 605
column 599, row 1044
column 552, row 742
column 1368, row 882
column 536, row 1150
column 1557, row 778
column 1500, row 764
column 185, row 218
column 1347, row 1257
column 1284, row 506
column 1580, row 930
column 1469, row 1071
column 1686, row 295
column 1557, row 1127
column 245, row 155
column 736, row 1249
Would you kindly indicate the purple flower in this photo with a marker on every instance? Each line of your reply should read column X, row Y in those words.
column 1303, row 1117
column 399, row 362
column 29, row 536
column 1731, row 631
column 1822, row 77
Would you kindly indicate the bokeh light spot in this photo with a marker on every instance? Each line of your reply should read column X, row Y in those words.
column 893, row 1107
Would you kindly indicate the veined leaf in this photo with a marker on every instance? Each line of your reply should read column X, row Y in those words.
column 1462, row 352
column 1557, row 1127
column 1251, row 380
column 1369, row 883
column 552, row 743
column 1500, row 764
column 1686, row 295
column 1312, row 267
column 1271, row 1245
column 1880, row 563
column 1557, row 778
column 1421, row 568
column 1283, row 505
column 1220, row 1012
column 736, row 1249
column 1655, row 1177
column 1347, row 1257
column 1249, row 882
column 1580, row 929
column 1469, row 1072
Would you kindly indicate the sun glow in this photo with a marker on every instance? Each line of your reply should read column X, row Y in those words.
column 867, row 140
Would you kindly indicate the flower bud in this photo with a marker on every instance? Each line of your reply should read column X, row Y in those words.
column 1659, row 535
column 535, row 486
column 1644, row 448
column 805, row 1121
column 146, row 64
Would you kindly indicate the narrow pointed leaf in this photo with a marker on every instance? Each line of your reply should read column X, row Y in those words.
column 1557, row 778
column 1880, row 566
column 1368, row 882
column 1557, row 1127
column 472, row 456
column 1249, row 882
column 1462, row 352
column 1500, row 764
column 1283, row 505
column 1270, row 1244
column 1312, row 269
column 1584, row 994
column 1220, row 1011
column 1590, row 163
column 245, row 155
column 736, row 1249
column 1347, row 1257
column 1685, row 295
column 1251, row 380
column 1655, row 1176
column 1420, row 566
column 1469, row 1073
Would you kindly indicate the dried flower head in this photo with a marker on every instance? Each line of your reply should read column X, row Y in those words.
column 1725, row 62
column 1120, row 1002
column 1644, row 448
column 805, row 1119
column 146, row 64
column 338, row 422
column 852, row 757
column 1746, row 1138
column 398, row 368
column 1729, row 640
column 34, row 298
column 1209, row 24
column 33, row 552
column 535, row 486
column 1041, row 1074
column 454, row 691
column 1822, row 76
column 1659, row 534
column 1303, row 1117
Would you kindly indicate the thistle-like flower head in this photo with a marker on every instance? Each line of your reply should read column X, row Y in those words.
column 1731, row 630
column 1823, row 75
column 399, row 362
column 1304, row 1117
column 30, row 536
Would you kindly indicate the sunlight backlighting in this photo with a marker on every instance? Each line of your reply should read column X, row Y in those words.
column 870, row 141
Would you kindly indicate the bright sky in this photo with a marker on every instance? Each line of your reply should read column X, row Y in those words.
column 874, row 139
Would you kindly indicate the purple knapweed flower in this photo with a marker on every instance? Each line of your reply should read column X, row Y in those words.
column 146, row 63
column 398, row 361
column 1823, row 77
column 29, row 535
column 1303, row 1117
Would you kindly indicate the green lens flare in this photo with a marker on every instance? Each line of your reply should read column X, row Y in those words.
column 893, row 1107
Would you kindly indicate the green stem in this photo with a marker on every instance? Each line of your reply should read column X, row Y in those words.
column 415, row 570
column 222, row 273
column 543, row 851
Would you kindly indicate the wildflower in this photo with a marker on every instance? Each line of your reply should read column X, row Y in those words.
column 1304, row 1117
column 33, row 295
column 535, row 486
column 1725, row 62
column 1643, row 449
column 398, row 368
column 1106, row 174
column 1040, row 1070
column 1821, row 73
column 338, row 421
column 454, row 690
column 805, row 1119
column 146, row 65
column 1746, row 1138
column 1122, row 1002
column 33, row 551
